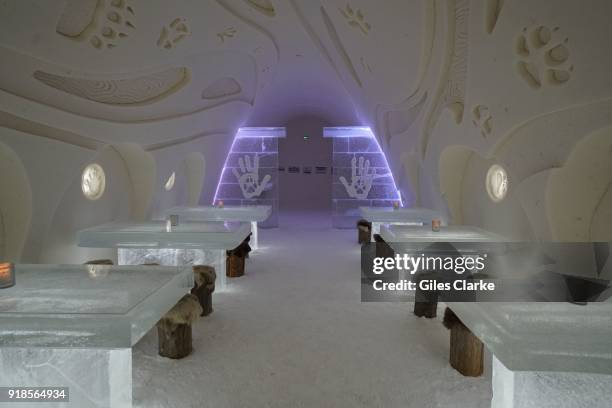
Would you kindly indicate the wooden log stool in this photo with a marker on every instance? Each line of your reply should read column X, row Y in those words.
column 466, row 350
column 383, row 249
column 236, row 260
column 425, row 302
column 364, row 231
column 99, row 262
column 204, row 277
column 174, row 329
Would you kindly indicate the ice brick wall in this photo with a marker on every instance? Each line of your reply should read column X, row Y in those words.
column 250, row 174
column 361, row 175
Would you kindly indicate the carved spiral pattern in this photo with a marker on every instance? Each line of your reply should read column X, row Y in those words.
column 139, row 90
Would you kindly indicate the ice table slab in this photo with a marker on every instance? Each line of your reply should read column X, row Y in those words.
column 402, row 216
column 188, row 243
column 544, row 336
column 394, row 235
column 546, row 355
column 252, row 213
column 539, row 348
column 74, row 326
column 154, row 234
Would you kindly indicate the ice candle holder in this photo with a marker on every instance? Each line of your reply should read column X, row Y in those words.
column 7, row 275
column 172, row 221
column 435, row 224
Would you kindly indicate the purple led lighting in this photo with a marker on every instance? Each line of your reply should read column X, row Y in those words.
column 224, row 167
column 399, row 195
column 366, row 133
column 341, row 132
column 246, row 133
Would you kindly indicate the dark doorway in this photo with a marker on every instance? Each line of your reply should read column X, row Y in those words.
column 305, row 160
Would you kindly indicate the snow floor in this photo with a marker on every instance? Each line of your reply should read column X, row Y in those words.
column 293, row 333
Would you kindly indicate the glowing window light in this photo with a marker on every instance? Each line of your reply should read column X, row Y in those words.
column 170, row 183
column 497, row 183
column 93, row 181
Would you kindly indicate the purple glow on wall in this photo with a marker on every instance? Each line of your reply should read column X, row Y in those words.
column 362, row 177
column 250, row 172
column 354, row 148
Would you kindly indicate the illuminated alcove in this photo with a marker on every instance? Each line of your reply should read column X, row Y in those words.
column 130, row 175
column 15, row 205
column 195, row 172
column 579, row 194
column 463, row 184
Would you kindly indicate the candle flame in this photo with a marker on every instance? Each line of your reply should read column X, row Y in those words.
column 5, row 270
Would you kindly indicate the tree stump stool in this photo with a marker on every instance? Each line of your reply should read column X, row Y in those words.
column 99, row 262
column 364, row 231
column 246, row 241
column 204, row 277
column 236, row 259
column 425, row 302
column 383, row 249
column 174, row 329
column 466, row 350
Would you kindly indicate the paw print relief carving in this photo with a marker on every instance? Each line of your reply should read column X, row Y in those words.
column 101, row 23
column 116, row 24
column 248, row 177
column 173, row 33
column 544, row 57
column 362, row 177
column 229, row 32
column 482, row 119
column 355, row 18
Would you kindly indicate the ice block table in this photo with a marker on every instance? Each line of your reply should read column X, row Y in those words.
column 189, row 243
column 252, row 213
column 545, row 355
column 399, row 216
column 74, row 326
column 423, row 234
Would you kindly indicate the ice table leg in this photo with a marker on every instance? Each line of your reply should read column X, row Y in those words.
column 538, row 389
column 96, row 378
column 375, row 230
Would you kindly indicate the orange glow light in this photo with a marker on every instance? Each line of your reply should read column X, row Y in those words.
column 6, row 272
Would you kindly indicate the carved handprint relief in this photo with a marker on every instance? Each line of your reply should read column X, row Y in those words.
column 362, row 176
column 248, row 177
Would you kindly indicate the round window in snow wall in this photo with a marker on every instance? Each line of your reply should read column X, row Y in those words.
column 170, row 182
column 93, row 181
column 497, row 183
